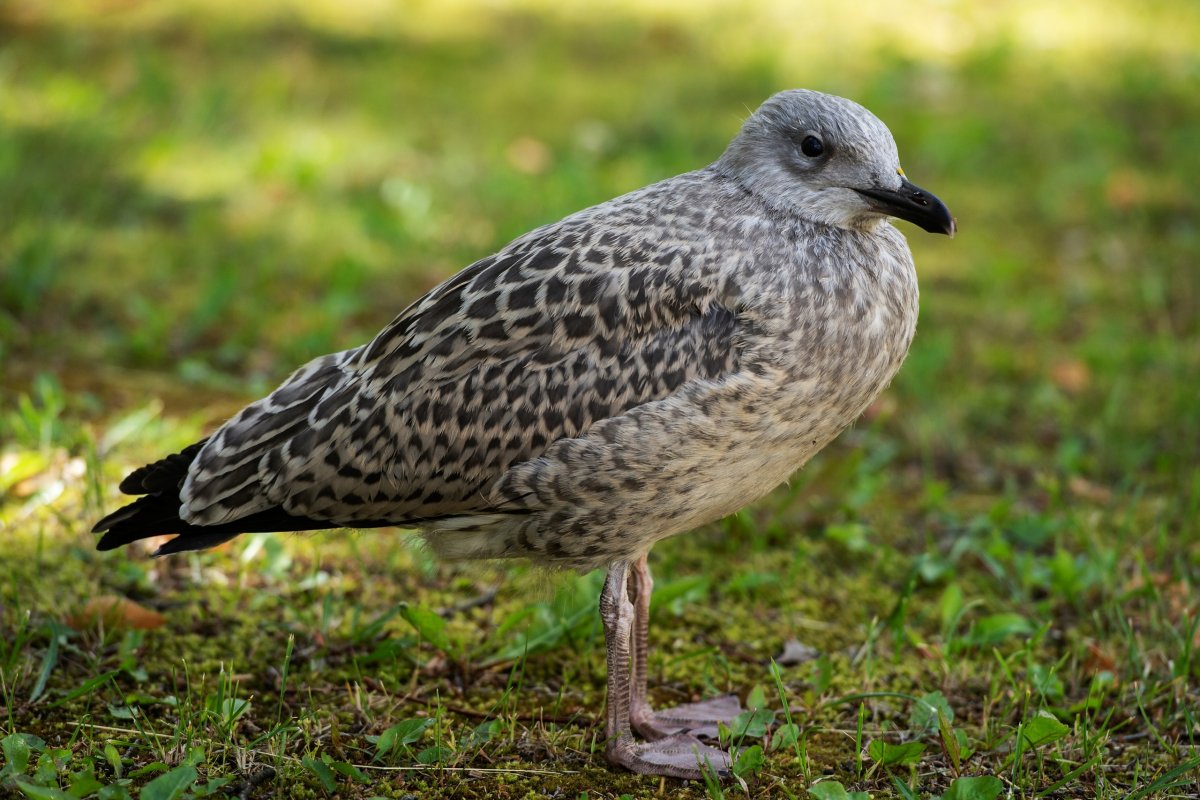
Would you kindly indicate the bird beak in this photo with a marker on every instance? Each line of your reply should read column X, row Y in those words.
column 912, row 203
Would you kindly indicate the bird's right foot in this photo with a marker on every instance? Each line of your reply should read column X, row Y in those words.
column 697, row 719
column 677, row 756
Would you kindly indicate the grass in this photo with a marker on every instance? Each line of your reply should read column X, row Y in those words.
column 993, row 576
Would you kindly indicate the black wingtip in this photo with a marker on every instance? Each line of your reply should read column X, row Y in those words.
column 115, row 518
column 163, row 475
column 156, row 512
column 193, row 541
column 158, row 515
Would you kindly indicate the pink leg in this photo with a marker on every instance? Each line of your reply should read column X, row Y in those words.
column 697, row 719
column 676, row 756
column 641, row 585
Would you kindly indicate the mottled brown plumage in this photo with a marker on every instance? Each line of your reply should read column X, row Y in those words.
column 626, row 374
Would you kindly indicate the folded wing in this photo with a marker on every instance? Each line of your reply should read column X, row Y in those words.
column 575, row 323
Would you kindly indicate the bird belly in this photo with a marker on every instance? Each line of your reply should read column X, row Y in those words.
column 662, row 469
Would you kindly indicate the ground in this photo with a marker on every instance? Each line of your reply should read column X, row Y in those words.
column 987, row 587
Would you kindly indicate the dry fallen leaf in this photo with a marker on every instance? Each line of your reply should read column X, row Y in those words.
column 1070, row 375
column 1086, row 490
column 116, row 612
column 1099, row 660
column 795, row 652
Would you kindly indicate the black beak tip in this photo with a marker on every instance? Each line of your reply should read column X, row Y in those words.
column 931, row 214
column 946, row 224
column 915, row 205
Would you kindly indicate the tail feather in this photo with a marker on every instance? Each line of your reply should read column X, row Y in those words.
column 162, row 475
column 158, row 515
column 156, row 512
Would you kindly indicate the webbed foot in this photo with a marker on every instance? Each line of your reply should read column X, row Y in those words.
column 698, row 719
column 676, row 756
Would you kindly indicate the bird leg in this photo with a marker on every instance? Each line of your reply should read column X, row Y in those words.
column 677, row 756
column 698, row 719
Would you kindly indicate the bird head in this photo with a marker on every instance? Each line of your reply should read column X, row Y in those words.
column 829, row 160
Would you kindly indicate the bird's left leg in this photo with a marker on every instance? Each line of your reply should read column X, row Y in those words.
column 697, row 719
column 676, row 756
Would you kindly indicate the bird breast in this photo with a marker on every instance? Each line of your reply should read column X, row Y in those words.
column 831, row 333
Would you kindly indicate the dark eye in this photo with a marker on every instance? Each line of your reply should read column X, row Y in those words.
column 812, row 146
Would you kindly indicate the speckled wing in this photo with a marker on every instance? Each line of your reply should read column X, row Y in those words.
column 569, row 325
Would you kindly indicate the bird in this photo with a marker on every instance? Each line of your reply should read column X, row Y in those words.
column 629, row 373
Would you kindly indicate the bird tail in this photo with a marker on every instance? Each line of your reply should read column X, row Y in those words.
column 156, row 512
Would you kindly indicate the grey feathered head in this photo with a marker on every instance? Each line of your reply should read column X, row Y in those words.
column 829, row 160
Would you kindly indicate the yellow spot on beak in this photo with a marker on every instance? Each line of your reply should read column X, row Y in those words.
column 900, row 172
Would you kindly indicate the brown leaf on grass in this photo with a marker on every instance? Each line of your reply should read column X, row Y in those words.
column 1099, row 660
column 1071, row 375
column 796, row 652
column 116, row 612
column 1086, row 490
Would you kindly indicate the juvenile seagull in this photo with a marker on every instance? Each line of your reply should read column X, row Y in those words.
column 635, row 370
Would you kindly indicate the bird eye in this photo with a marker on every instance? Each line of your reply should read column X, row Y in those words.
column 812, row 146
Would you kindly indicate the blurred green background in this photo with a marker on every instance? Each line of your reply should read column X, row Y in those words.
column 196, row 197
column 218, row 191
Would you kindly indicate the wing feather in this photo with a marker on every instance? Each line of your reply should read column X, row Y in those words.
column 570, row 325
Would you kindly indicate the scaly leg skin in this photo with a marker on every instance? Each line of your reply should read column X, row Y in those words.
column 698, row 719
column 675, row 756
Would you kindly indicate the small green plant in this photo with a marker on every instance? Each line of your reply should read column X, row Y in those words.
column 58, row 774
column 986, row 787
column 398, row 738
column 833, row 790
